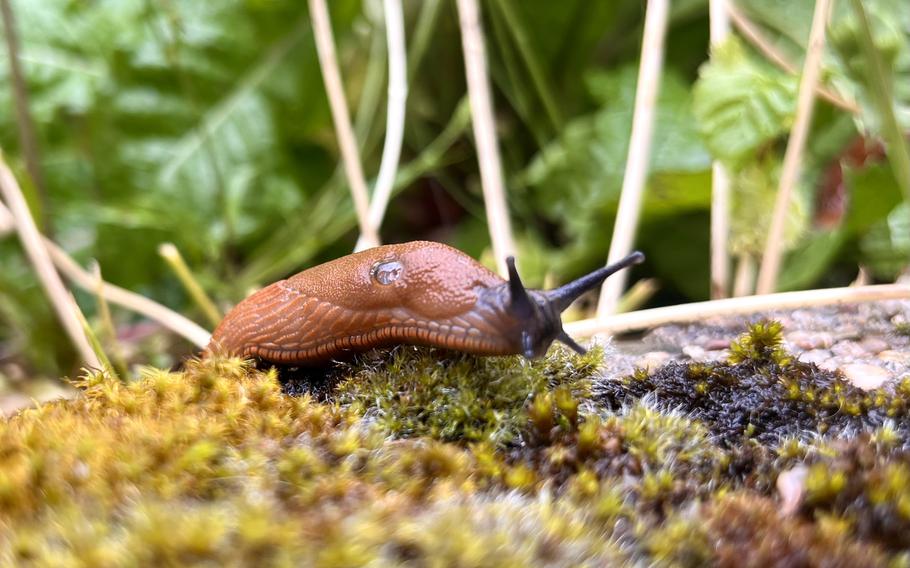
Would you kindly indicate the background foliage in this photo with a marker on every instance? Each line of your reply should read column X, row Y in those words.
column 205, row 124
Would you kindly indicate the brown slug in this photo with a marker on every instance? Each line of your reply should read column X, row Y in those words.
column 419, row 293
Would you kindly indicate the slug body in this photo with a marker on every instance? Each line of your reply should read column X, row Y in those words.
column 419, row 293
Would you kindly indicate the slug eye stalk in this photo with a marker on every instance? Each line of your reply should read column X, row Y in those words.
column 539, row 311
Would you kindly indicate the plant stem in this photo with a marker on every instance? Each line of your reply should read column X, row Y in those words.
column 751, row 32
column 789, row 177
column 898, row 153
column 25, row 125
column 485, row 133
column 526, row 49
column 720, row 179
column 744, row 281
column 395, row 116
column 103, row 361
column 423, row 34
column 636, row 174
column 175, row 260
column 67, row 310
column 350, row 154
column 698, row 311
column 116, row 360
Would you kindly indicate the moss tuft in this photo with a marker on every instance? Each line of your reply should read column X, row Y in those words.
column 460, row 397
column 763, row 394
column 761, row 344
column 750, row 531
column 430, row 458
column 865, row 482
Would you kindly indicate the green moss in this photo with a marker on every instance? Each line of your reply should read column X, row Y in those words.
column 215, row 465
column 506, row 530
column 459, row 397
column 865, row 481
column 902, row 328
column 432, row 459
column 763, row 343
column 763, row 393
column 679, row 542
column 744, row 530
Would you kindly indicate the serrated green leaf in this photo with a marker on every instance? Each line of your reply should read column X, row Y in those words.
column 579, row 175
column 890, row 26
column 741, row 105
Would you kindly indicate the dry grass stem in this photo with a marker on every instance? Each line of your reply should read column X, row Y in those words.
column 104, row 364
column 753, row 35
column 698, row 311
column 347, row 143
column 395, row 115
column 174, row 259
column 744, row 281
column 720, row 180
column 67, row 310
column 7, row 224
column 132, row 301
column 789, row 177
column 24, row 123
column 720, row 231
column 118, row 362
column 167, row 317
column 638, row 295
column 652, row 52
column 485, row 133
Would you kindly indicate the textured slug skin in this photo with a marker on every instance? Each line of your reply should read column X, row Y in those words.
column 440, row 297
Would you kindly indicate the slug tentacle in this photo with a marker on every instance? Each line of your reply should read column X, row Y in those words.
column 418, row 293
column 563, row 296
column 540, row 320
column 519, row 300
column 567, row 339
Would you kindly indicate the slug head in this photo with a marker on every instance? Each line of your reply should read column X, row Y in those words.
column 538, row 312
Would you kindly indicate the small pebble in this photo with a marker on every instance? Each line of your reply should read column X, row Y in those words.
column 865, row 376
column 810, row 339
column 847, row 330
column 850, row 349
column 694, row 352
column 817, row 356
column 892, row 356
column 874, row 344
column 717, row 344
column 786, row 320
column 791, row 486
column 12, row 403
column 654, row 360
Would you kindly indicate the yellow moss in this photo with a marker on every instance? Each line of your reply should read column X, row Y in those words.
column 431, row 461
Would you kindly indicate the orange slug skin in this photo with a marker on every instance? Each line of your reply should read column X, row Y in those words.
column 421, row 293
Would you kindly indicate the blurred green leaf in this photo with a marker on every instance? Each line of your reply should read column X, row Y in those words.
column 886, row 246
column 577, row 178
column 741, row 104
column 874, row 194
column 808, row 262
column 754, row 192
column 890, row 26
